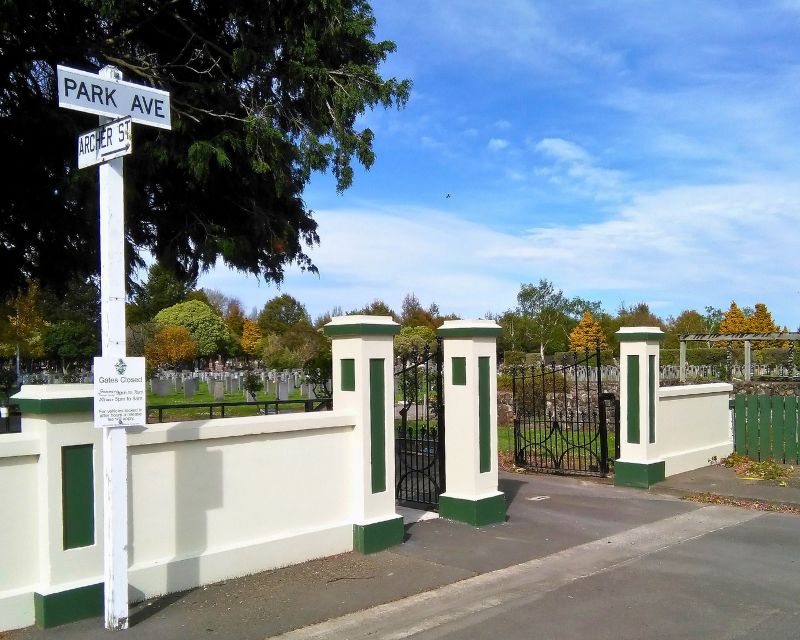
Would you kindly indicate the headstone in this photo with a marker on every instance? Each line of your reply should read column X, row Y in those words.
column 162, row 387
column 217, row 390
column 310, row 392
column 189, row 388
column 283, row 390
column 249, row 396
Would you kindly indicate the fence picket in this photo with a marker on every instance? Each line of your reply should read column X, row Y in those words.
column 740, row 425
column 790, row 427
column 778, row 450
column 764, row 430
column 752, row 427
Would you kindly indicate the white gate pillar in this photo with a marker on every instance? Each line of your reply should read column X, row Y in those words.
column 470, row 394
column 363, row 385
column 639, row 464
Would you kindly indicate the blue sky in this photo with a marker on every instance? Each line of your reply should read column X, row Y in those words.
column 627, row 151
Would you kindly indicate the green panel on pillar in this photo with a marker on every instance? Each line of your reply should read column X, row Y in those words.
column 475, row 512
column 53, row 609
column 633, row 400
column 377, row 536
column 77, row 495
column 651, row 400
column 459, row 366
column 484, row 415
column 348, row 374
column 635, row 474
column 377, row 424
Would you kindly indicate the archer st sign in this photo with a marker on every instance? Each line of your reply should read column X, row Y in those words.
column 90, row 93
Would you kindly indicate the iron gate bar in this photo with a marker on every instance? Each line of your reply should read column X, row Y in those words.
column 419, row 447
column 556, row 429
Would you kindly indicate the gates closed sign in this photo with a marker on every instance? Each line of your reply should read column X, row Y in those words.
column 119, row 392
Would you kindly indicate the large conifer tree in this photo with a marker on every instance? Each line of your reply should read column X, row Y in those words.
column 264, row 92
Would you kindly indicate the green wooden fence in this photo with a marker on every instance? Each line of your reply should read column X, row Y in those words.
column 766, row 428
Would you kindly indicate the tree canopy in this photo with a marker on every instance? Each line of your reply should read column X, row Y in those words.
column 206, row 328
column 263, row 94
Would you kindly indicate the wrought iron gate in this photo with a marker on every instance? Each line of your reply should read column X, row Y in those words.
column 562, row 416
column 419, row 428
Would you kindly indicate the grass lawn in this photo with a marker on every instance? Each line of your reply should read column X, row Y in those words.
column 505, row 440
column 203, row 398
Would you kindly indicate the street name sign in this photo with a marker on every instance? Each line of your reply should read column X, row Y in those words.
column 88, row 92
column 119, row 392
column 107, row 142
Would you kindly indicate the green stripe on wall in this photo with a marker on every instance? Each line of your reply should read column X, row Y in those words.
column 484, row 415
column 77, row 495
column 651, row 375
column 633, row 400
column 377, row 425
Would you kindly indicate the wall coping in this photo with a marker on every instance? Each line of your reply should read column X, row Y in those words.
column 16, row 445
column 55, row 398
column 353, row 326
column 219, row 428
column 469, row 329
column 639, row 334
column 695, row 390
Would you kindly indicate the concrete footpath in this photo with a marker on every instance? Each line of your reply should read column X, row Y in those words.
column 562, row 533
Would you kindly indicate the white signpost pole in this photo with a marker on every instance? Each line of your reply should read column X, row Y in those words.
column 108, row 96
column 115, row 439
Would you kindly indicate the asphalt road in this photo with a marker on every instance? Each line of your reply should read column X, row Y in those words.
column 712, row 573
column 576, row 559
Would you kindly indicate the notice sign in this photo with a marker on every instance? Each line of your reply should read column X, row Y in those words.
column 119, row 392
column 110, row 141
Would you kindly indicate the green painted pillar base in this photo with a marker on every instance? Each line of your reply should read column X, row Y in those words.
column 53, row 609
column 635, row 474
column 474, row 512
column 371, row 538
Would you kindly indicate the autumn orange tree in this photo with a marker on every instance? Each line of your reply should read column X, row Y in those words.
column 170, row 346
column 587, row 334
column 761, row 322
column 251, row 339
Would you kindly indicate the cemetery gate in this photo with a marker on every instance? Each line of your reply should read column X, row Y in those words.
column 562, row 417
column 419, row 428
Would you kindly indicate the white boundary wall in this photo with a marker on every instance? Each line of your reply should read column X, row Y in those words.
column 694, row 426
column 209, row 500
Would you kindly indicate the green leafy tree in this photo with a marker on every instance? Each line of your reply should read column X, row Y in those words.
column 413, row 314
column 376, row 308
column 70, row 340
column 412, row 340
column 688, row 322
column 160, row 290
column 550, row 313
column 205, row 326
column 280, row 314
column 263, row 94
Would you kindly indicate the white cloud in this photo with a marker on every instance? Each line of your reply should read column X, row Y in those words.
column 684, row 247
column 574, row 169
column 497, row 144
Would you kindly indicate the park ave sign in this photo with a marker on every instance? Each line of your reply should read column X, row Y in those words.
column 90, row 93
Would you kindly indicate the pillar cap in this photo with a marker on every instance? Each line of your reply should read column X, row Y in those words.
column 469, row 329
column 354, row 326
column 640, row 334
column 54, row 398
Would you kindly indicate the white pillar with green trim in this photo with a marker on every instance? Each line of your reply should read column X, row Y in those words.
column 70, row 542
column 639, row 464
column 363, row 386
column 470, row 395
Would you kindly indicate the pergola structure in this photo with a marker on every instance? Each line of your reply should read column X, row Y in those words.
column 747, row 338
